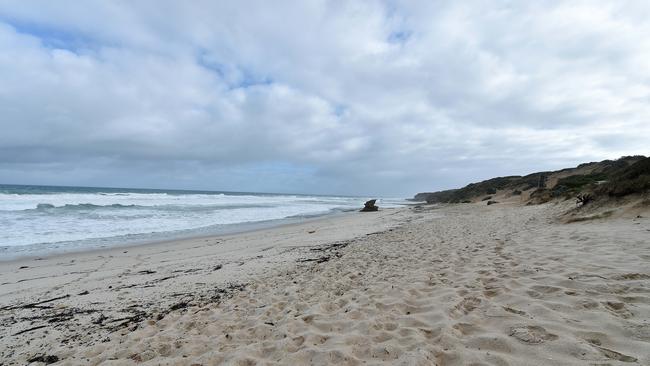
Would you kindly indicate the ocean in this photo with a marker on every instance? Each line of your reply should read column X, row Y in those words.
column 41, row 220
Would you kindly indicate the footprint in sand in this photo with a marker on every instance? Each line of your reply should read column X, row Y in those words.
column 613, row 355
column 588, row 304
column 531, row 334
column 466, row 306
column 514, row 311
column 490, row 292
column 594, row 338
column 640, row 331
column 546, row 289
column 465, row 328
column 618, row 309
column 631, row 276
column 534, row 294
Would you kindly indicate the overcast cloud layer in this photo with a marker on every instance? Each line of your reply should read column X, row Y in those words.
column 344, row 97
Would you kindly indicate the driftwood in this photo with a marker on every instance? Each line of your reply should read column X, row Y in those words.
column 331, row 249
column 50, row 316
column 322, row 259
column 29, row 329
column 328, row 247
column 46, row 359
column 29, row 320
column 583, row 199
column 35, row 305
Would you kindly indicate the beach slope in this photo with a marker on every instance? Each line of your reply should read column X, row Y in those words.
column 455, row 285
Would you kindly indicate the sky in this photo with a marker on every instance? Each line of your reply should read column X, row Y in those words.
column 383, row 98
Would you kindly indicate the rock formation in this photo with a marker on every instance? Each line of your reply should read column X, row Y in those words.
column 370, row 206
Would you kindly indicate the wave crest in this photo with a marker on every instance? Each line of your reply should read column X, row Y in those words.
column 85, row 206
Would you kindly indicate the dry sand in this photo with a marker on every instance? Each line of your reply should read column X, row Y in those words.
column 102, row 292
column 458, row 285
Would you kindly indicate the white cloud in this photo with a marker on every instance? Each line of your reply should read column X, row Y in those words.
column 343, row 97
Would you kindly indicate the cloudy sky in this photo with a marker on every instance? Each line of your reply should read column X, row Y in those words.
column 343, row 97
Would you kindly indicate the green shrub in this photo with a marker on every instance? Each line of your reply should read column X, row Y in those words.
column 629, row 174
column 568, row 187
column 633, row 179
column 579, row 180
column 535, row 180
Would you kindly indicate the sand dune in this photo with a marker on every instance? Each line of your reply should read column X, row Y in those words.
column 459, row 285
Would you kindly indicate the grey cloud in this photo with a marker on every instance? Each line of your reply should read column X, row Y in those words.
column 338, row 97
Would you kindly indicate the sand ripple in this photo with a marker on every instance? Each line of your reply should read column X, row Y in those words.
column 478, row 286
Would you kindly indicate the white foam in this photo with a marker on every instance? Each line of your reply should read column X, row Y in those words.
column 83, row 217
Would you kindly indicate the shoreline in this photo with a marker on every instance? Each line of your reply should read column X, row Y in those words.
column 110, row 289
column 243, row 228
column 456, row 285
column 44, row 220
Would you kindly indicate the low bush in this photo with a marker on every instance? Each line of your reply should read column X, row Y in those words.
column 632, row 179
column 627, row 175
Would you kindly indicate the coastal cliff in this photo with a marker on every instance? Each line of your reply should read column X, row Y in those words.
column 609, row 178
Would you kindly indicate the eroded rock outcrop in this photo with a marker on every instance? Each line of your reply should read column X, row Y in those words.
column 370, row 206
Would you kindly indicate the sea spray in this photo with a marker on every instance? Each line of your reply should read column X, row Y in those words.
column 40, row 219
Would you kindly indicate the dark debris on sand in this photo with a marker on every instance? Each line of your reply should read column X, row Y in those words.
column 92, row 323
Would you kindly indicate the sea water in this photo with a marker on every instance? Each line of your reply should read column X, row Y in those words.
column 38, row 220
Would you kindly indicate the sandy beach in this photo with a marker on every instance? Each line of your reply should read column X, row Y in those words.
column 429, row 285
column 203, row 183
